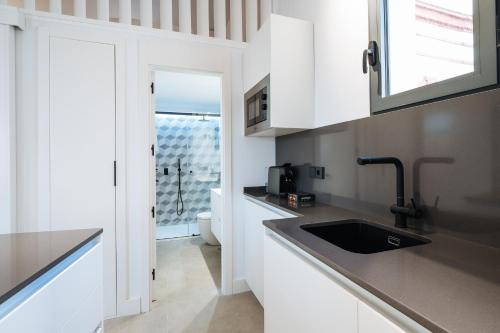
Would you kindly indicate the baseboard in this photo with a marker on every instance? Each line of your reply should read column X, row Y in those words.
column 131, row 306
column 240, row 286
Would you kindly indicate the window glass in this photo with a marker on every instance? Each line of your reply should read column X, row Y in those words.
column 427, row 41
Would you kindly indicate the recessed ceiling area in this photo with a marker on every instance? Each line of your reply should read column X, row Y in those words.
column 179, row 92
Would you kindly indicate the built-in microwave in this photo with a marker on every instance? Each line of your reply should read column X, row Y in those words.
column 257, row 111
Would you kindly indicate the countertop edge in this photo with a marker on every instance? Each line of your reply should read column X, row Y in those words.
column 47, row 268
column 273, row 205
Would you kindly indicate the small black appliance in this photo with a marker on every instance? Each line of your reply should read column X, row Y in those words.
column 281, row 180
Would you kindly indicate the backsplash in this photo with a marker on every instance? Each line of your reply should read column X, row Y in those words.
column 451, row 154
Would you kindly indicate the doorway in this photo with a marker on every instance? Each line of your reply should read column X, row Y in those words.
column 187, row 155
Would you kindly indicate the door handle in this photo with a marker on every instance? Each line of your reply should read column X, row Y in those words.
column 370, row 56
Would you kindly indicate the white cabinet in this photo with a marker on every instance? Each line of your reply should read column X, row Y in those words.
column 71, row 301
column 370, row 321
column 216, row 212
column 254, row 245
column 342, row 91
column 82, row 146
column 283, row 48
column 303, row 296
column 300, row 298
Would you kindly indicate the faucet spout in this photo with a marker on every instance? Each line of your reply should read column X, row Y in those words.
column 400, row 210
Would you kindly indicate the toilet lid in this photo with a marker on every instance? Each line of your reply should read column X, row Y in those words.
column 204, row 215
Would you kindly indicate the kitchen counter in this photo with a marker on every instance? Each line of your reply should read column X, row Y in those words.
column 24, row 257
column 448, row 285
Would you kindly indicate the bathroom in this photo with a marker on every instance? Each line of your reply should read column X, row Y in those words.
column 188, row 163
column 188, row 179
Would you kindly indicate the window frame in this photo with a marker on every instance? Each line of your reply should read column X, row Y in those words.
column 485, row 61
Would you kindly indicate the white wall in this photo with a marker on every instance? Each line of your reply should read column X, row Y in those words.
column 340, row 36
column 7, row 130
column 140, row 49
column 251, row 157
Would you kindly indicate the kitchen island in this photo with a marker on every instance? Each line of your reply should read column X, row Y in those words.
column 51, row 281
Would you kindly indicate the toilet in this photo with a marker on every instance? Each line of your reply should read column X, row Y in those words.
column 204, row 225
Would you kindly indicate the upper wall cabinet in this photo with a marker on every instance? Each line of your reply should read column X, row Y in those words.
column 279, row 78
column 342, row 91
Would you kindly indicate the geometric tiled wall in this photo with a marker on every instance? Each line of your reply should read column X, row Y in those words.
column 197, row 143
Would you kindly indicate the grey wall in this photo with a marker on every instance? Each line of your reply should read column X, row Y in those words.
column 450, row 150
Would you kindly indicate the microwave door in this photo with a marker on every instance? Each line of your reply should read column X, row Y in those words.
column 257, row 109
column 251, row 107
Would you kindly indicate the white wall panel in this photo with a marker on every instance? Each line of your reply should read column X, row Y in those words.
column 220, row 19
column 80, row 8
column 202, row 17
column 82, row 145
column 251, row 158
column 7, row 130
column 29, row 4
column 103, row 10
column 185, row 16
column 252, row 18
column 166, row 14
column 125, row 11
column 55, row 6
column 146, row 9
column 265, row 10
column 236, row 20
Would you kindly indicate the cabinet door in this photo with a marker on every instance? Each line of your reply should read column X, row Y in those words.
column 254, row 246
column 370, row 321
column 302, row 299
column 82, row 145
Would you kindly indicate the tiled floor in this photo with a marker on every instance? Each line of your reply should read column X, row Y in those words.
column 176, row 230
column 187, row 296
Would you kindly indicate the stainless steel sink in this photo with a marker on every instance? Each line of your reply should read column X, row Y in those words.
column 361, row 236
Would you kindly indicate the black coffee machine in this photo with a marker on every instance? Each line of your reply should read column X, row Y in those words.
column 281, row 180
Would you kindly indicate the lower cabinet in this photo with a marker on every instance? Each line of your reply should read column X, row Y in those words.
column 72, row 301
column 300, row 298
column 370, row 321
column 303, row 298
column 254, row 244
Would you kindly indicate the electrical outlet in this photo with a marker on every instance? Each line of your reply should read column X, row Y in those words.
column 317, row 172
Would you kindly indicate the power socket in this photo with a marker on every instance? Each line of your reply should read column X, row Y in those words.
column 317, row 172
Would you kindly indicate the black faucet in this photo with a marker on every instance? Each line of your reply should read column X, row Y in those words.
column 399, row 209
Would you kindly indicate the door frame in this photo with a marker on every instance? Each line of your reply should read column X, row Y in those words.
column 202, row 59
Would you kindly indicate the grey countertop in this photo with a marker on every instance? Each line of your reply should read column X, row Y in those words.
column 26, row 256
column 448, row 285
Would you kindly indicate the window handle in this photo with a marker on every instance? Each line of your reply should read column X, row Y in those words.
column 370, row 56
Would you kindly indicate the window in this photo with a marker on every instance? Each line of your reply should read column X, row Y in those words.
column 425, row 49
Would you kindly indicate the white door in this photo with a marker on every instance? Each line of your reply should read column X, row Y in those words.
column 82, row 145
